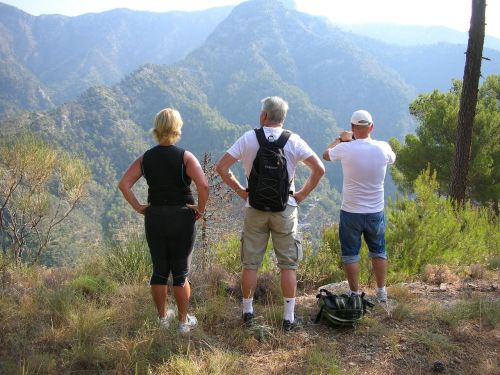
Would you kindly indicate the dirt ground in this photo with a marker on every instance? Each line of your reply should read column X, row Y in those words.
column 424, row 329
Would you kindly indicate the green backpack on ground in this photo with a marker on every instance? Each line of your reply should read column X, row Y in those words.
column 341, row 309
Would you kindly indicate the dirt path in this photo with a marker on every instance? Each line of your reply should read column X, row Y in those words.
column 424, row 329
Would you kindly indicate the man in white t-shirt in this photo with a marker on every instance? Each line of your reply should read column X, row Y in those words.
column 259, row 225
column 364, row 164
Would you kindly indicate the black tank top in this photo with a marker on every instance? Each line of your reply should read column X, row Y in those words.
column 164, row 170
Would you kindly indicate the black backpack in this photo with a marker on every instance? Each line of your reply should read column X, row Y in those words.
column 268, row 183
column 342, row 309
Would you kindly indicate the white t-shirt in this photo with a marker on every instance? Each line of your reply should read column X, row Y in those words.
column 296, row 150
column 364, row 164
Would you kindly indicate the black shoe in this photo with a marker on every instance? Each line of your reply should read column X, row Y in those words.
column 288, row 326
column 248, row 319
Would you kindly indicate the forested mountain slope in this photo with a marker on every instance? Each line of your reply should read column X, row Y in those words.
column 262, row 48
column 65, row 55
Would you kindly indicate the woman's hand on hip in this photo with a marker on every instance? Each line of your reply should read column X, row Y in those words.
column 141, row 209
column 198, row 213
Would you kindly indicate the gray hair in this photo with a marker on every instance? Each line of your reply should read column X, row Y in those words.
column 275, row 108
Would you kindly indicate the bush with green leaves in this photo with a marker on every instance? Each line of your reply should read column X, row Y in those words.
column 430, row 230
column 434, row 142
column 228, row 254
column 324, row 265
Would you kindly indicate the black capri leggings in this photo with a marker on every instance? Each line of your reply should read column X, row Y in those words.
column 170, row 232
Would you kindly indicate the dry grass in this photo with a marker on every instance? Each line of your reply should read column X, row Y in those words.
column 438, row 274
column 52, row 324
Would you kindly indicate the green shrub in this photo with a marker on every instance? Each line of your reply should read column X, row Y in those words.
column 228, row 254
column 129, row 261
column 429, row 230
column 323, row 266
column 91, row 286
column 59, row 301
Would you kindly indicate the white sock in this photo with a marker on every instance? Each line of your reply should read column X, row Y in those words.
column 381, row 289
column 247, row 305
column 358, row 293
column 288, row 309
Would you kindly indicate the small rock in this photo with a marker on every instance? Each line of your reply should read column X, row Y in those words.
column 352, row 364
column 443, row 287
column 438, row 366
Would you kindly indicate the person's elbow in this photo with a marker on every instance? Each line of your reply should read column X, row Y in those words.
column 122, row 186
column 320, row 169
column 326, row 155
column 204, row 187
column 220, row 169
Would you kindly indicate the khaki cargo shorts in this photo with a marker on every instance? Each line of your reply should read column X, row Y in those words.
column 282, row 226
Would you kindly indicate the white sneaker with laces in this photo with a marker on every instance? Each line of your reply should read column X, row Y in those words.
column 165, row 321
column 188, row 325
column 382, row 295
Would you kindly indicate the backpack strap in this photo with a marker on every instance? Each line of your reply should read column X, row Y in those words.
column 318, row 317
column 261, row 137
column 280, row 142
column 324, row 291
column 366, row 303
column 283, row 139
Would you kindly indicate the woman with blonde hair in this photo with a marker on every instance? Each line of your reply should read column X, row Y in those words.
column 170, row 213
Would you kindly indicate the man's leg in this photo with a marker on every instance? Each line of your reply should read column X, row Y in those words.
column 380, row 270
column 254, row 243
column 248, row 282
column 288, row 283
column 375, row 239
column 288, row 253
column 288, row 289
column 350, row 229
column 352, row 273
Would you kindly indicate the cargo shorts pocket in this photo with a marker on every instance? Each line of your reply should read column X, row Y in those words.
column 298, row 245
column 241, row 247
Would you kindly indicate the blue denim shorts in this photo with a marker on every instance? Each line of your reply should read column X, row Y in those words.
column 352, row 226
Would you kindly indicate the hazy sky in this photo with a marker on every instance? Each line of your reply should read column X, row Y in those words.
column 451, row 13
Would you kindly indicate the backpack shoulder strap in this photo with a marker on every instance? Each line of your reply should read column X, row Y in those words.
column 366, row 303
column 318, row 317
column 261, row 137
column 283, row 139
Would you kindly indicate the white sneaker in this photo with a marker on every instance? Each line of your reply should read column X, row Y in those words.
column 188, row 325
column 382, row 295
column 165, row 321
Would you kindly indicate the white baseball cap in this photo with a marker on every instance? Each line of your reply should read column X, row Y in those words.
column 361, row 118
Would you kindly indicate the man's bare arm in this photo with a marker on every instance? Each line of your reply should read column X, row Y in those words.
column 222, row 168
column 317, row 171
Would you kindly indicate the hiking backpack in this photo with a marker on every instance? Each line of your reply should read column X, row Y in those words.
column 268, row 183
column 342, row 309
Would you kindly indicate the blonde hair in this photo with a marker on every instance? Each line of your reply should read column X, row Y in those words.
column 167, row 126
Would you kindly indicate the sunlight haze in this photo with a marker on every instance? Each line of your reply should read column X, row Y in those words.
column 454, row 14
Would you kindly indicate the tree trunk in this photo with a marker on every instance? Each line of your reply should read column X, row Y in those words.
column 468, row 101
